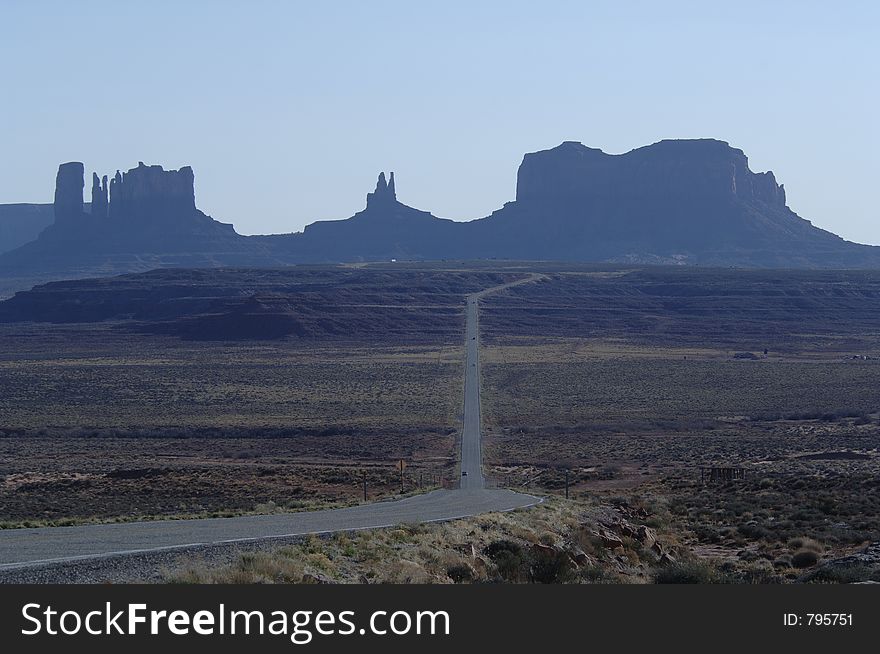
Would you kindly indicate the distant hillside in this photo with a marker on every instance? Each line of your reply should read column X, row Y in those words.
column 252, row 303
column 675, row 202
column 674, row 306
column 22, row 223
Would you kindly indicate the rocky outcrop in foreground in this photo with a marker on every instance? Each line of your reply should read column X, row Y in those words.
column 860, row 567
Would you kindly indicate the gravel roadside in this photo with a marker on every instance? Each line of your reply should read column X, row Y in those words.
column 146, row 567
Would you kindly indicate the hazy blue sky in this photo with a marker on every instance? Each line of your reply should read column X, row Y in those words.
column 288, row 110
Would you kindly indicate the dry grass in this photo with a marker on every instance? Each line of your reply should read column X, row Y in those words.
column 577, row 383
column 641, row 422
column 144, row 427
column 143, row 382
column 533, row 545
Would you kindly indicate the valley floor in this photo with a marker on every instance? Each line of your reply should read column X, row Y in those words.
column 630, row 385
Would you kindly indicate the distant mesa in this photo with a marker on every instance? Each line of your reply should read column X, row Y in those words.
column 689, row 170
column 143, row 218
column 689, row 201
column 674, row 202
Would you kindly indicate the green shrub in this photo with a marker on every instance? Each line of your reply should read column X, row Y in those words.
column 550, row 567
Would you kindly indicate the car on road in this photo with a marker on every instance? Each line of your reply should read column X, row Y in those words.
column 464, row 473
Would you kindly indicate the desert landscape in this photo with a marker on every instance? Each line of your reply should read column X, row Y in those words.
column 729, row 415
column 424, row 325
column 113, row 419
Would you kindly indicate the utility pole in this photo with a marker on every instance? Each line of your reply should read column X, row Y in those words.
column 420, row 479
column 365, row 485
column 566, row 483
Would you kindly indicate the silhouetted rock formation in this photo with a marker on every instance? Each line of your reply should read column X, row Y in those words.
column 674, row 202
column 385, row 229
column 679, row 202
column 384, row 195
column 69, row 185
column 150, row 192
column 701, row 168
column 144, row 218
column 100, row 200
column 145, row 193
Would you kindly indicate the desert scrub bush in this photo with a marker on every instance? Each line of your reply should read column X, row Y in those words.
column 707, row 534
column 267, row 507
column 804, row 558
column 523, row 532
column 251, row 568
column 759, row 571
column 260, row 566
column 320, row 561
column 595, row 574
column 400, row 536
column 687, row 572
column 509, row 558
column 191, row 574
column 311, row 544
column 550, row 566
column 460, row 573
column 547, row 538
column 755, row 531
column 805, row 543
column 345, row 545
column 406, row 572
column 840, row 574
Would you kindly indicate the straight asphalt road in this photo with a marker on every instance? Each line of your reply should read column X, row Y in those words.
column 21, row 548
column 471, row 436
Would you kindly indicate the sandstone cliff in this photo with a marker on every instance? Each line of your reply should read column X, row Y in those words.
column 702, row 168
column 69, row 185
column 144, row 218
column 674, row 202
